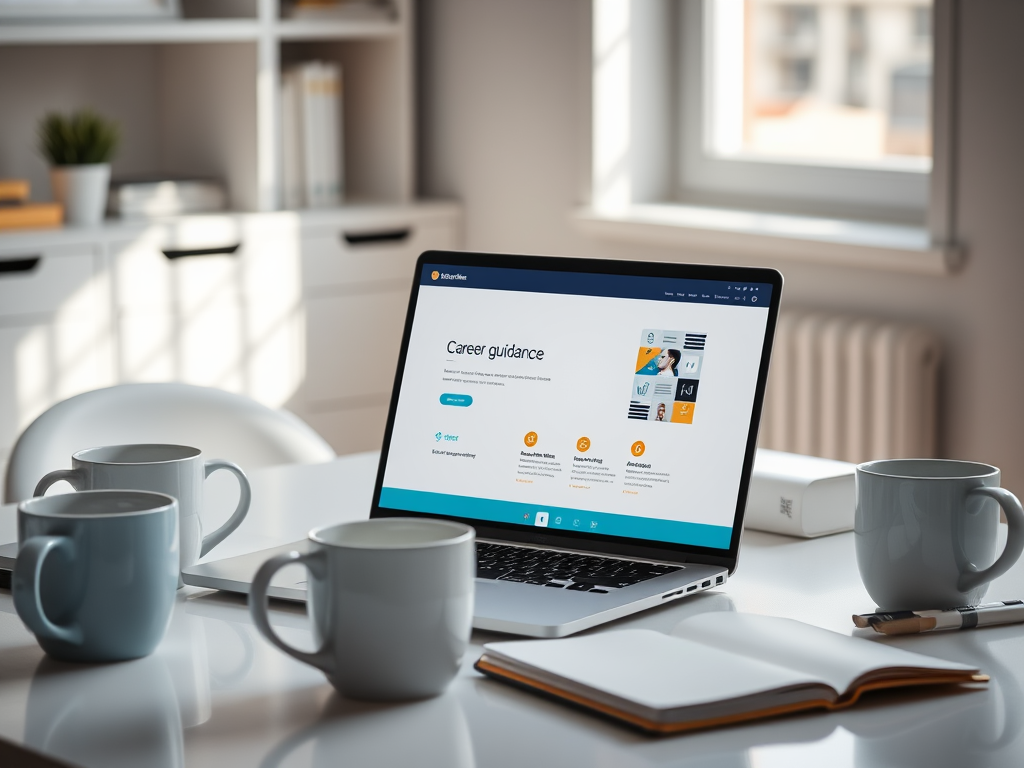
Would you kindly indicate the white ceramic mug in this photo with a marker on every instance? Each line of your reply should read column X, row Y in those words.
column 926, row 531
column 177, row 470
column 390, row 602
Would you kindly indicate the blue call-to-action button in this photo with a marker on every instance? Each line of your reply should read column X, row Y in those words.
column 463, row 401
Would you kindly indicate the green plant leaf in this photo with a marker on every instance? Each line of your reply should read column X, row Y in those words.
column 83, row 137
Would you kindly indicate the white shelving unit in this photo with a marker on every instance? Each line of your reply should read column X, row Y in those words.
column 200, row 95
column 279, row 308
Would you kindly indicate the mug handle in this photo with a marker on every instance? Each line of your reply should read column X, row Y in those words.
column 1014, row 538
column 244, row 497
column 28, row 569
column 258, row 602
column 73, row 476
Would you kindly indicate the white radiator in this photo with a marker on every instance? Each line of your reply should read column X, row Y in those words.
column 851, row 388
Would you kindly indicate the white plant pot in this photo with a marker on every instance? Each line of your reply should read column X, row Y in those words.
column 82, row 189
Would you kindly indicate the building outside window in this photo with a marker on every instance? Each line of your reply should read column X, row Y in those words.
column 826, row 85
column 831, row 82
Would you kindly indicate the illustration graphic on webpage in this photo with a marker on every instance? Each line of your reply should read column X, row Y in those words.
column 667, row 376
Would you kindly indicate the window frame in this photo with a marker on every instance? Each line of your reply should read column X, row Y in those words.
column 635, row 196
column 862, row 192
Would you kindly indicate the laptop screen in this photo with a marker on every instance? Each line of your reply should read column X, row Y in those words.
column 599, row 404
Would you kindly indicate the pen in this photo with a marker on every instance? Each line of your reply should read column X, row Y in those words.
column 964, row 617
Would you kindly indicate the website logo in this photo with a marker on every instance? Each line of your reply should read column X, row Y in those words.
column 437, row 436
column 434, row 275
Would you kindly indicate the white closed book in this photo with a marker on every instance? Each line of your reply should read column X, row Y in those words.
column 799, row 495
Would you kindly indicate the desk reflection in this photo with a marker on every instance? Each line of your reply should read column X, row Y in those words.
column 425, row 734
column 106, row 715
column 979, row 727
column 185, row 651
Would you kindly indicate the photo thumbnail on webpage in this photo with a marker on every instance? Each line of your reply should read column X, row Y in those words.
column 667, row 375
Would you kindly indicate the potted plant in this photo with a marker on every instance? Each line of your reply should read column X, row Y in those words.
column 79, row 148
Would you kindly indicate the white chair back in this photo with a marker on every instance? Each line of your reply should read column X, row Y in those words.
column 221, row 424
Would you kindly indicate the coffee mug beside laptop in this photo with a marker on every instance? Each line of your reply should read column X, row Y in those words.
column 926, row 532
column 390, row 601
column 176, row 470
column 97, row 572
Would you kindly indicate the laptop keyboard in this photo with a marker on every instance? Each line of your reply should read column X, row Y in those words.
column 562, row 570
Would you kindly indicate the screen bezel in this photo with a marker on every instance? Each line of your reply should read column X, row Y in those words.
column 603, row 543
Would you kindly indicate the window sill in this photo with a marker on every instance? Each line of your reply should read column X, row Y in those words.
column 773, row 236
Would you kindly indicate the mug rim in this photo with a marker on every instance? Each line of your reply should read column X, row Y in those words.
column 79, row 455
column 464, row 533
column 983, row 470
column 162, row 502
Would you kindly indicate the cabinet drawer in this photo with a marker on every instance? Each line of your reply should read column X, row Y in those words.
column 44, row 280
column 146, row 277
column 359, row 255
column 203, row 347
column 353, row 344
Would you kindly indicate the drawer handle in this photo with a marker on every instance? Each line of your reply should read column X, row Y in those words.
column 224, row 250
column 13, row 266
column 381, row 236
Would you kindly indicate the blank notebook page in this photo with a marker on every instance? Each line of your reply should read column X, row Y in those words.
column 828, row 656
column 652, row 669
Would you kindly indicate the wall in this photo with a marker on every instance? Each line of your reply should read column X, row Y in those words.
column 504, row 109
column 115, row 81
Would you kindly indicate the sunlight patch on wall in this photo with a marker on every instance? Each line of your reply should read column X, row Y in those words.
column 611, row 76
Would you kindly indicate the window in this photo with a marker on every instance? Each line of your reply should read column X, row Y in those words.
column 824, row 104
column 819, row 129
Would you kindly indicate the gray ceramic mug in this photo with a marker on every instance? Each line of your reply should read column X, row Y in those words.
column 177, row 470
column 925, row 532
column 390, row 602
column 97, row 572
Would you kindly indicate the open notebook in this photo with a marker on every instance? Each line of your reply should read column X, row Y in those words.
column 716, row 669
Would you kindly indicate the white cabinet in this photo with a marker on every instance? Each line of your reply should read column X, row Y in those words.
column 355, row 341
column 356, row 278
column 297, row 310
column 177, row 319
column 210, row 300
column 55, row 337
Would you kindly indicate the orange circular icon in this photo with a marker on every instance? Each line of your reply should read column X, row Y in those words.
column 530, row 439
column 583, row 444
column 434, row 275
column 638, row 448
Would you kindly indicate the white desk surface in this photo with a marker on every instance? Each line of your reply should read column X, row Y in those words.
column 216, row 694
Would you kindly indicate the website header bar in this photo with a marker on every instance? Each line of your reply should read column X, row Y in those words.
column 756, row 295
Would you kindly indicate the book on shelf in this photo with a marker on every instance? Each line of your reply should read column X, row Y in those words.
column 714, row 669
column 163, row 195
column 339, row 10
column 312, row 135
column 25, row 215
column 14, row 190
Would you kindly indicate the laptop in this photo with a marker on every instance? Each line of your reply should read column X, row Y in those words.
column 594, row 421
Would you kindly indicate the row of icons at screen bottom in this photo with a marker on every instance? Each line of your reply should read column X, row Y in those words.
column 542, row 519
